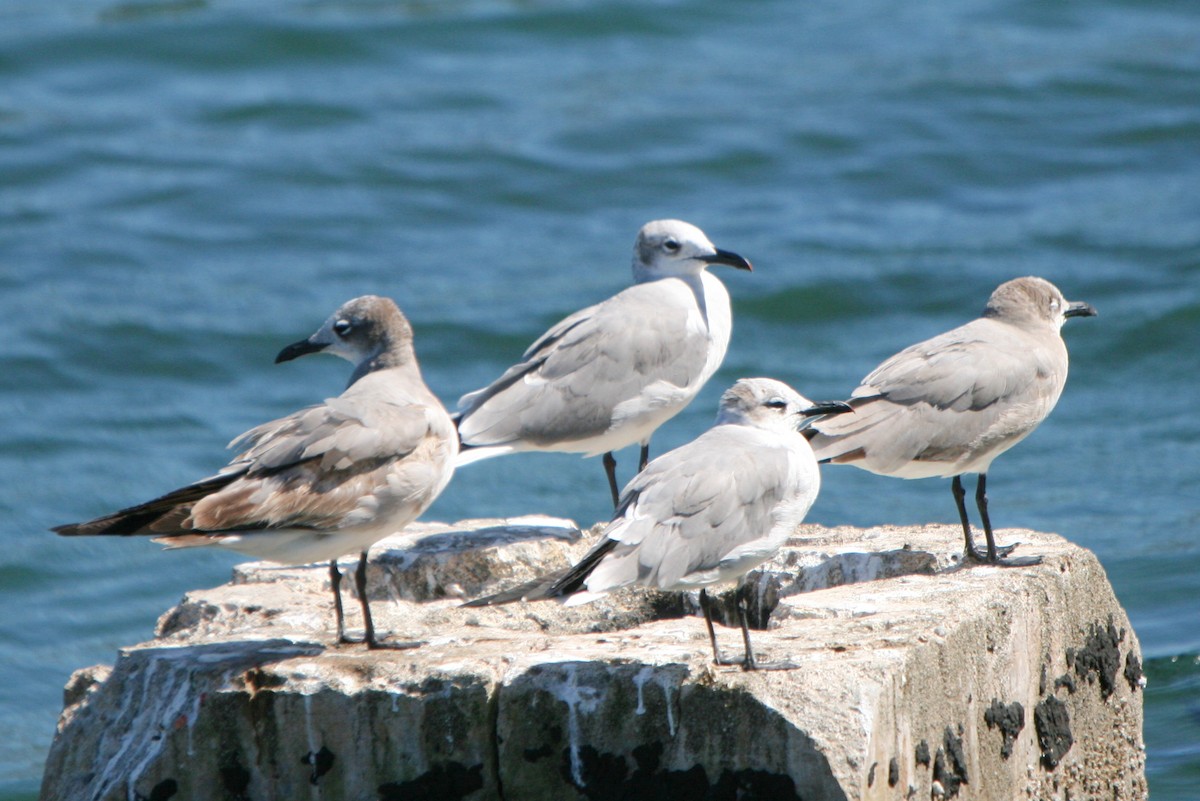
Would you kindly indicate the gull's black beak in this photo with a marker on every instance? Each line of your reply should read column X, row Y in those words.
column 1080, row 309
column 728, row 258
column 298, row 349
column 827, row 408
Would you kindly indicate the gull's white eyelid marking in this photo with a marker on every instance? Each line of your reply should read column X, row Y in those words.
column 342, row 327
column 776, row 403
column 671, row 246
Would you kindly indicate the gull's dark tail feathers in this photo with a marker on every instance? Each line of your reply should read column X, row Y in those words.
column 556, row 585
column 151, row 517
column 463, row 447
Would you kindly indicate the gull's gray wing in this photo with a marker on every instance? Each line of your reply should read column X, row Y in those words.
column 965, row 391
column 336, row 435
column 694, row 507
column 574, row 376
column 969, row 368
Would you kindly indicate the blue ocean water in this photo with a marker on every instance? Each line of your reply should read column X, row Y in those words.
column 188, row 185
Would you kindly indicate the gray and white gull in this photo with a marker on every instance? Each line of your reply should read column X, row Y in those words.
column 951, row 404
column 707, row 512
column 609, row 375
column 325, row 481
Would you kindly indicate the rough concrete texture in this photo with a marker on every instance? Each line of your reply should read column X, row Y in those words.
column 918, row 678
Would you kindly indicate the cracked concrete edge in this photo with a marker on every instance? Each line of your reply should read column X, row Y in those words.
column 872, row 651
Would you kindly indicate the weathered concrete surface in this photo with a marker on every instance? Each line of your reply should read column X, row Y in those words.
column 918, row 679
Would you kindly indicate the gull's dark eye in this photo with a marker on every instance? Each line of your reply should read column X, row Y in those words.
column 776, row 403
column 342, row 328
column 671, row 246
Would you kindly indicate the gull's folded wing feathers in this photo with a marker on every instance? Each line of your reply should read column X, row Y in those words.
column 575, row 379
column 340, row 432
column 312, row 469
column 688, row 518
column 993, row 378
column 970, row 367
column 316, row 467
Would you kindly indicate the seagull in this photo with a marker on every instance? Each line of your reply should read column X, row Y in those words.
column 951, row 404
column 325, row 481
column 609, row 375
column 707, row 512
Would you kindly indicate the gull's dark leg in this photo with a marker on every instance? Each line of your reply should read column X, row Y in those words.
column 360, row 583
column 744, row 619
column 610, row 468
column 749, row 663
column 981, row 502
column 335, row 578
column 645, row 457
column 706, row 607
column 959, row 493
column 994, row 553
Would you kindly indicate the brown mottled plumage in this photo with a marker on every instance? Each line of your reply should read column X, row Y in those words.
column 327, row 480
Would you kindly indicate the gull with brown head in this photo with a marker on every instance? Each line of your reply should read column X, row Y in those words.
column 325, row 481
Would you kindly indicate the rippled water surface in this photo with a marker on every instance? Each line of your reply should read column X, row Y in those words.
column 187, row 186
